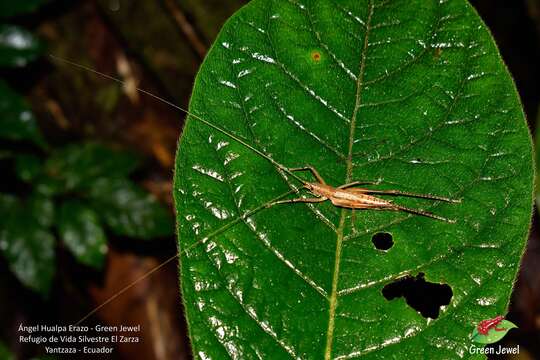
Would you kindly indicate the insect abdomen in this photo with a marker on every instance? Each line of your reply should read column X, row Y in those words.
column 356, row 201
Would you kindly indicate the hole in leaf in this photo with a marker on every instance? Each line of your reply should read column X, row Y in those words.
column 422, row 296
column 382, row 241
column 316, row 56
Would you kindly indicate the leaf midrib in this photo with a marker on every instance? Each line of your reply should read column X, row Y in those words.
column 348, row 178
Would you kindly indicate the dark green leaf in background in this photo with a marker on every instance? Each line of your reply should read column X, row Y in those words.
column 7, row 204
column 42, row 209
column 18, row 46
column 28, row 167
column 129, row 210
column 6, row 154
column 26, row 244
column 79, row 165
column 49, row 186
column 82, row 233
column 5, row 353
column 411, row 93
column 9, row 8
column 17, row 121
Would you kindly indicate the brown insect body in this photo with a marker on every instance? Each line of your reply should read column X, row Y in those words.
column 349, row 198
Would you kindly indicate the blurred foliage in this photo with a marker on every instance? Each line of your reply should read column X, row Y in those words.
column 76, row 192
column 12, row 8
column 18, row 46
column 18, row 122
column 537, row 154
column 5, row 353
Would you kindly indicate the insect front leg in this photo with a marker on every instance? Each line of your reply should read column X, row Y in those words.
column 313, row 171
column 420, row 212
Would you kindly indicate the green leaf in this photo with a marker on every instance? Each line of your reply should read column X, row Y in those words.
column 18, row 46
column 493, row 334
column 7, row 203
column 12, row 8
column 41, row 207
column 411, row 93
column 81, row 231
column 107, row 98
column 49, row 186
column 28, row 167
column 129, row 210
column 27, row 246
column 17, row 122
column 537, row 160
column 5, row 353
column 6, row 154
column 78, row 166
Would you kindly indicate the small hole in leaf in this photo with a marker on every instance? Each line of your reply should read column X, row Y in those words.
column 382, row 241
column 316, row 56
column 424, row 297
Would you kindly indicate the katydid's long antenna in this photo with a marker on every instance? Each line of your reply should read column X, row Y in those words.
column 204, row 239
column 215, row 127
column 126, row 288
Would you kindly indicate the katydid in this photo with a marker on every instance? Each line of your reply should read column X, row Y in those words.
column 359, row 198
column 345, row 196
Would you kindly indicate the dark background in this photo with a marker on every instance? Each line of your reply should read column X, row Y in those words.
column 159, row 45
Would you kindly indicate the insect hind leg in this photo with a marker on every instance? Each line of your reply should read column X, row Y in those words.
column 421, row 213
column 409, row 194
column 304, row 200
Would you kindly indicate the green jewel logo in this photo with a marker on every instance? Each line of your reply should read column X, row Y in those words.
column 491, row 330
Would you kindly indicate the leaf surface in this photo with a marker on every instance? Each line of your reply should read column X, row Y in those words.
column 28, row 167
column 42, row 208
column 26, row 244
column 5, row 353
column 13, row 8
column 129, row 210
column 412, row 94
column 78, row 166
column 16, row 119
column 18, row 46
column 495, row 334
column 81, row 231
